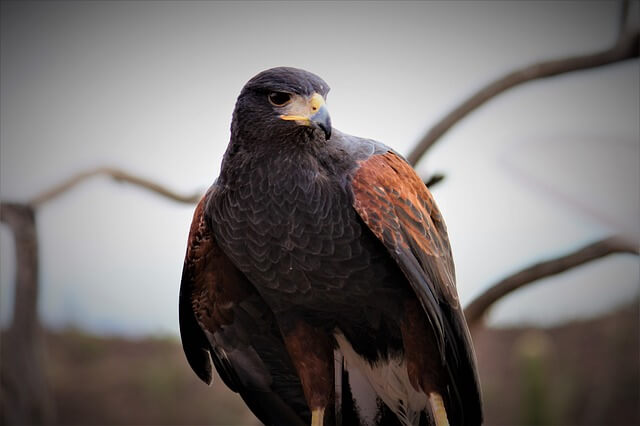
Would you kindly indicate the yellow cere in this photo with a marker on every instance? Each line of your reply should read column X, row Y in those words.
column 301, row 108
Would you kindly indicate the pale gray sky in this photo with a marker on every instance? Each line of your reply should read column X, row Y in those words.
column 150, row 87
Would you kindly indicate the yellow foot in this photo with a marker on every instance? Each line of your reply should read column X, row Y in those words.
column 317, row 417
column 437, row 409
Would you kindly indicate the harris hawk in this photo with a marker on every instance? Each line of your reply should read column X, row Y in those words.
column 312, row 243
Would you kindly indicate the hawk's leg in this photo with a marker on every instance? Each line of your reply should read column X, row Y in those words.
column 311, row 352
column 424, row 366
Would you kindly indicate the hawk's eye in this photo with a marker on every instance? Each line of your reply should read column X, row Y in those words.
column 279, row 98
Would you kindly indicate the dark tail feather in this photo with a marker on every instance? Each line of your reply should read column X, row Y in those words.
column 270, row 409
column 464, row 399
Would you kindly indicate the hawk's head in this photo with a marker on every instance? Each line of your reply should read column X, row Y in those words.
column 281, row 103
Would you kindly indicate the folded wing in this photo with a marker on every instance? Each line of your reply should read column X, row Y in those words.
column 398, row 208
column 224, row 321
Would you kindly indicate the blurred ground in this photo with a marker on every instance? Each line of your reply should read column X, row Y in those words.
column 116, row 381
column 582, row 373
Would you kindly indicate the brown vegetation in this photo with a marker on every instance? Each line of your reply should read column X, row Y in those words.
column 583, row 373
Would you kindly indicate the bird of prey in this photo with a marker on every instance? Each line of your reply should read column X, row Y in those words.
column 312, row 243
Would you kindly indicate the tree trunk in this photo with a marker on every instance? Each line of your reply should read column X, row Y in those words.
column 23, row 392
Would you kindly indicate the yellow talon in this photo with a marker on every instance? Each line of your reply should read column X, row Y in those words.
column 317, row 417
column 437, row 409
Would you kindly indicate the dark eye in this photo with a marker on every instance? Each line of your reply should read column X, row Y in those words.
column 279, row 98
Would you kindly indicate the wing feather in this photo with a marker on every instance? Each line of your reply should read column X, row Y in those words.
column 398, row 208
column 224, row 321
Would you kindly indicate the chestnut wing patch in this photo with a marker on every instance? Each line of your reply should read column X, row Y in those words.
column 398, row 208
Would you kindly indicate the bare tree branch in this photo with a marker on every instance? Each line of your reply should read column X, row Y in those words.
column 625, row 48
column 118, row 175
column 475, row 310
column 23, row 386
column 433, row 180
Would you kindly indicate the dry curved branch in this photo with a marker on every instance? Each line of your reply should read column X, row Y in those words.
column 118, row 175
column 433, row 180
column 625, row 48
column 475, row 310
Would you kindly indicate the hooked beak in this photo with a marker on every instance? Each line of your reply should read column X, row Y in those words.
column 310, row 112
column 322, row 120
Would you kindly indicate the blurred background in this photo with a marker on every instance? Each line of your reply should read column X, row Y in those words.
column 149, row 87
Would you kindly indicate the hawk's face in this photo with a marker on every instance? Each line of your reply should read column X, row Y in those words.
column 280, row 104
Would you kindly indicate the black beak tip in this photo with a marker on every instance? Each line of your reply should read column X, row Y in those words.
column 322, row 121
column 326, row 128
